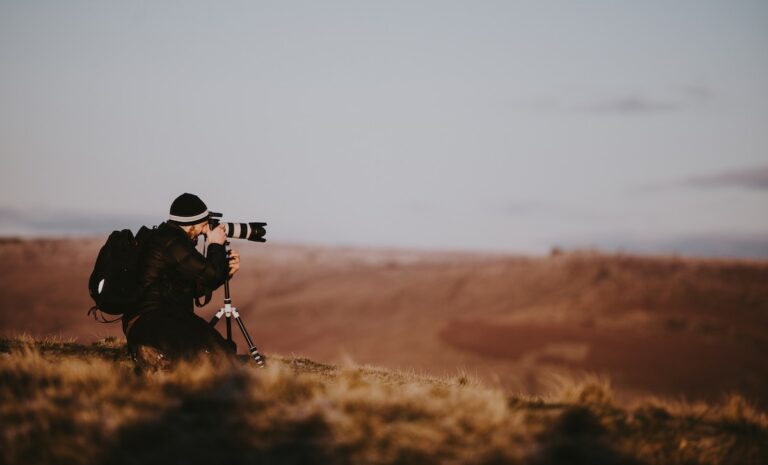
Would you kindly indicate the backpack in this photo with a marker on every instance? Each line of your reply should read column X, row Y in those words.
column 114, row 283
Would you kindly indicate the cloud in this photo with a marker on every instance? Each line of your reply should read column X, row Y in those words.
column 748, row 178
column 531, row 209
column 751, row 178
column 682, row 98
column 633, row 105
column 523, row 207
column 679, row 99
column 697, row 92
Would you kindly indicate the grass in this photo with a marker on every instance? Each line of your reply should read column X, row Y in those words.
column 65, row 403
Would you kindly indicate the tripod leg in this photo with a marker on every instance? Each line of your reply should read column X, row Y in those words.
column 215, row 319
column 260, row 360
column 231, row 311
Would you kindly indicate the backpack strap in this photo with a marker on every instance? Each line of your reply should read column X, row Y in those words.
column 98, row 315
column 130, row 324
column 208, row 296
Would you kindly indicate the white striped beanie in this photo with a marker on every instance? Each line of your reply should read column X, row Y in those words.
column 188, row 209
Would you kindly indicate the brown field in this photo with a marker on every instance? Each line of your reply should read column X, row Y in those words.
column 665, row 326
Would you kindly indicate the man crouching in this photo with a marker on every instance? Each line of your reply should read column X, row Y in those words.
column 172, row 273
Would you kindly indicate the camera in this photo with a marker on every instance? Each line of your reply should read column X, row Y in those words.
column 252, row 231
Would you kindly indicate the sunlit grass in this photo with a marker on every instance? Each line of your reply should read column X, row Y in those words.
column 66, row 403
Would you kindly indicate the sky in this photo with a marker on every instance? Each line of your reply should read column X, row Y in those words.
column 500, row 126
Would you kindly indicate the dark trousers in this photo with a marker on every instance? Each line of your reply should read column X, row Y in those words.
column 177, row 335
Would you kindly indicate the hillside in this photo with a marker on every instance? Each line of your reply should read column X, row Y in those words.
column 665, row 326
column 64, row 403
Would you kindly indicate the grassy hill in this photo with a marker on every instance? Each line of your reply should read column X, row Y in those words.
column 665, row 326
column 65, row 403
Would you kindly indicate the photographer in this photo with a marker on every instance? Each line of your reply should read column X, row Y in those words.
column 164, row 327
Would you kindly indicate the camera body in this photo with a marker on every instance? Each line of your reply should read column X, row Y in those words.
column 252, row 231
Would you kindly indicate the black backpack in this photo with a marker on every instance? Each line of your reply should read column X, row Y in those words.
column 114, row 283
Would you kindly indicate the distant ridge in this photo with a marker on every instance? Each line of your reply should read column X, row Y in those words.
column 50, row 222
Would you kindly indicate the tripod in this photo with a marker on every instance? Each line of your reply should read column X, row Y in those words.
column 229, row 312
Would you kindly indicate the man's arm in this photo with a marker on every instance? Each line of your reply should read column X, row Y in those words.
column 207, row 272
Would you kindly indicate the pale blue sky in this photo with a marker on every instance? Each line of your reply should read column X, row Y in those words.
column 508, row 126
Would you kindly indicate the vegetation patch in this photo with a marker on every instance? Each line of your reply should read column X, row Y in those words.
column 64, row 403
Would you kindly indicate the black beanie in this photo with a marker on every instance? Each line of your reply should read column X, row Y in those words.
column 188, row 209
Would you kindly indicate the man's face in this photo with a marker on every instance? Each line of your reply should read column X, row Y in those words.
column 195, row 230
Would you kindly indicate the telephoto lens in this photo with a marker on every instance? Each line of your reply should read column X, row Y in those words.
column 249, row 231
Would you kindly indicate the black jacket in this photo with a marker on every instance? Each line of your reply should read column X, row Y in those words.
column 172, row 272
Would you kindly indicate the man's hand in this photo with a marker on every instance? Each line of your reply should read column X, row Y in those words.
column 234, row 262
column 217, row 235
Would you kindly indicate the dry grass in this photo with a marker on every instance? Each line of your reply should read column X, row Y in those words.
column 63, row 403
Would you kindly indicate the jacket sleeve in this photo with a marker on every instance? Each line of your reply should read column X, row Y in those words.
column 207, row 272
